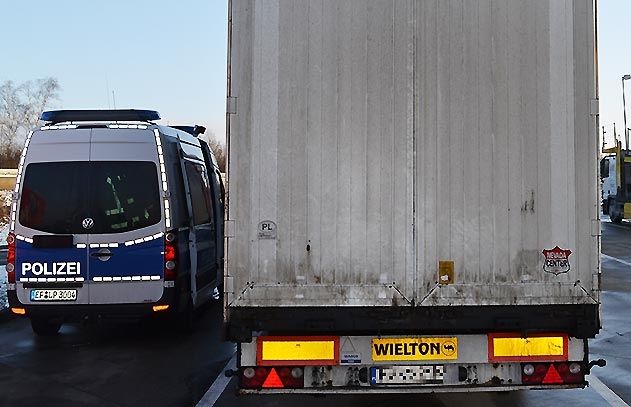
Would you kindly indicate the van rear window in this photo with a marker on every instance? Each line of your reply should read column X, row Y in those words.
column 118, row 196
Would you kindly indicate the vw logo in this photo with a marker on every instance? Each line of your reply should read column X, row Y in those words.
column 87, row 223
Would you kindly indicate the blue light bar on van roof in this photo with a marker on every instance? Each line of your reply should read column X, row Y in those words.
column 58, row 116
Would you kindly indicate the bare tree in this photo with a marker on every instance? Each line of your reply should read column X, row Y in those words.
column 219, row 150
column 20, row 108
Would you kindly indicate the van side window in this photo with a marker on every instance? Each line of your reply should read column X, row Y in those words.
column 200, row 193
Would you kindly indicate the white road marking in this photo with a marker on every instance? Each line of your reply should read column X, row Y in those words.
column 219, row 385
column 605, row 392
column 626, row 263
column 624, row 226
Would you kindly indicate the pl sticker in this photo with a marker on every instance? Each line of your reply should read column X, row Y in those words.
column 267, row 230
column 557, row 261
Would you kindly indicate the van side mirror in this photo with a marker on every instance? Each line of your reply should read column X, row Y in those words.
column 604, row 168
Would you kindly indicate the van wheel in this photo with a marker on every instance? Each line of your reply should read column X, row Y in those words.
column 614, row 215
column 46, row 326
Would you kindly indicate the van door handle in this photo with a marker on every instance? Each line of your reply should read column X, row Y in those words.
column 101, row 253
column 97, row 254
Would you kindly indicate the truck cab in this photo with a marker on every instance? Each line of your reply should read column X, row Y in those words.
column 615, row 175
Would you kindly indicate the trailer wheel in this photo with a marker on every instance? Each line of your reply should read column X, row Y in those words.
column 46, row 326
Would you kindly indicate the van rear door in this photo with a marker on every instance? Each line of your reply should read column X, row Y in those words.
column 51, row 245
column 126, row 243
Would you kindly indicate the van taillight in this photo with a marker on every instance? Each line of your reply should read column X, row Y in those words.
column 170, row 256
column 11, row 258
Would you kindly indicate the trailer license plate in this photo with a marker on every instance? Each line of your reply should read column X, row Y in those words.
column 403, row 375
column 53, row 295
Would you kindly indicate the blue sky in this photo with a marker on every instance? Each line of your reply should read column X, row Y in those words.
column 171, row 56
column 163, row 55
column 614, row 51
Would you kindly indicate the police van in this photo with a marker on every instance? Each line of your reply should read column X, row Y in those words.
column 114, row 215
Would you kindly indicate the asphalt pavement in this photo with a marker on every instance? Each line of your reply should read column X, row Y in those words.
column 111, row 364
column 148, row 364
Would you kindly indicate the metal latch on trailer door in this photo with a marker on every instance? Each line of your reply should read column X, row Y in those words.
column 231, row 105
column 595, row 107
column 229, row 226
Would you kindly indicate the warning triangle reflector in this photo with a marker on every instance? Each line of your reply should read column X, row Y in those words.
column 273, row 381
column 552, row 377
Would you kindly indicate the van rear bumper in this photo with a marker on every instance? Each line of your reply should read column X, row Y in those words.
column 77, row 311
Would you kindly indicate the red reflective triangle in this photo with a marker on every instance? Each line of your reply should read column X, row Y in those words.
column 552, row 377
column 273, row 381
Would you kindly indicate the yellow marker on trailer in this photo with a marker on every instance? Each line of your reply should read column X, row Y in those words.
column 298, row 351
column 514, row 348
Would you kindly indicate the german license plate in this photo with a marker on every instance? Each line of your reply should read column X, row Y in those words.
column 402, row 375
column 53, row 295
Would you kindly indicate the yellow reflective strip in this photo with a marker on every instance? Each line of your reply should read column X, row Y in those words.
column 298, row 350
column 539, row 346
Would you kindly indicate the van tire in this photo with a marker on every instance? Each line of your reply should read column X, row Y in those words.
column 615, row 216
column 46, row 326
column 185, row 319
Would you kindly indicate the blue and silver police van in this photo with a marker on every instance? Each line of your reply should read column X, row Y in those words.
column 114, row 215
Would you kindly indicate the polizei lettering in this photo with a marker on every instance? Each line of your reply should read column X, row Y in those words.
column 407, row 349
column 71, row 268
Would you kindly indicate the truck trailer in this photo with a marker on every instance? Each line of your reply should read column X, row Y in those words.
column 413, row 200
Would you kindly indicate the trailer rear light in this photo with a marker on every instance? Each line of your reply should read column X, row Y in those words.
column 273, row 381
column 249, row 372
column 552, row 373
column 297, row 372
column 529, row 369
column 285, row 377
column 575, row 368
column 170, row 256
column 11, row 258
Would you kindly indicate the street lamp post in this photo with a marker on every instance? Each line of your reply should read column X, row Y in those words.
column 624, row 108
